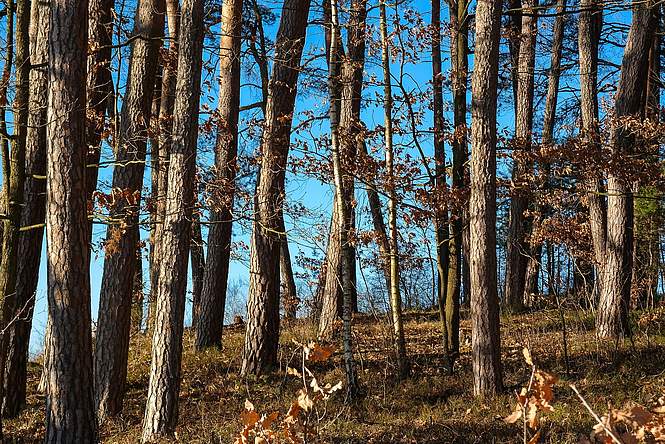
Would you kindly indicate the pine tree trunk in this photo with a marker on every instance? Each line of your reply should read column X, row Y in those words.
column 161, row 157
column 590, row 26
column 262, row 333
column 33, row 218
column 115, row 299
column 485, row 335
column 614, row 300
column 518, row 248
column 213, row 295
column 161, row 413
column 70, row 407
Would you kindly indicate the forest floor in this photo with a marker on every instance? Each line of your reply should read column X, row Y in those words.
column 429, row 407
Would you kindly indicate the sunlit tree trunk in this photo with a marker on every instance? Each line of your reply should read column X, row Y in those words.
column 485, row 336
column 70, row 407
column 213, row 294
column 161, row 411
column 115, row 299
column 262, row 333
column 517, row 248
column 32, row 219
column 612, row 320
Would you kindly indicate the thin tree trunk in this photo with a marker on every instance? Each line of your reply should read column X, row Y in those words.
column 441, row 228
column 518, row 249
column 198, row 266
column 395, row 297
column 137, row 293
column 289, row 295
column 485, row 335
column 262, row 333
column 161, row 413
column 115, row 299
column 551, row 99
column 70, row 407
column 614, row 301
column 459, row 43
column 13, row 178
column 213, row 295
column 33, row 218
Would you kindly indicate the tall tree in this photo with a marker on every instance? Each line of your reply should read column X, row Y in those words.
column 395, row 297
column 459, row 48
column 262, row 334
column 612, row 320
column 551, row 99
column 213, row 295
column 198, row 265
column 115, row 299
column 590, row 26
column 161, row 411
column 442, row 231
column 517, row 249
column 70, row 411
column 160, row 150
column 485, row 336
column 32, row 219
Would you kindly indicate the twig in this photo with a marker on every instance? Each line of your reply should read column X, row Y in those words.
column 595, row 416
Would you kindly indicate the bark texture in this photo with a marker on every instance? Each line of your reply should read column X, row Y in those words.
column 612, row 320
column 115, row 300
column 213, row 295
column 262, row 333
column 485, row 336
column 33, row 217
column 161, row 411
column 70, row 409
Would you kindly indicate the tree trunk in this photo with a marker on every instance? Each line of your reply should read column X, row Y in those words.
column 70, row 407
column 198, row 266
column 213, row 295
column 170, row 62
column 161, row 413
column 395, row 297
column 33, row 217
column 518, row 248
column 590, row 26
column 289, row 295
column 99, row 85
column 459, row 43
column 137, row 292
column 262, row 333
column 614, row 301
column 485, row 335
column 115, row 299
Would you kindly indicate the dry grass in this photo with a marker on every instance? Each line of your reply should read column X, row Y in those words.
column 430, row 407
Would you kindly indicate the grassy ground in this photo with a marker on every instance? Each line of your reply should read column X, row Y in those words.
column 430, row 407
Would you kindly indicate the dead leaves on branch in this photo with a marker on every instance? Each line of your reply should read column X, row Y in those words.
column 299, row 424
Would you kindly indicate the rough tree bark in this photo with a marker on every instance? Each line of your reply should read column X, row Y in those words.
column 485, row 336
column 213, row 295
column 70, row 408
column 262, row 333
column 161, row 413
column 518, row 249
column 590, row 26
column 160, row 155
column 612, row 320
column 198, row 265
column 32, row 218
column 115, row 299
